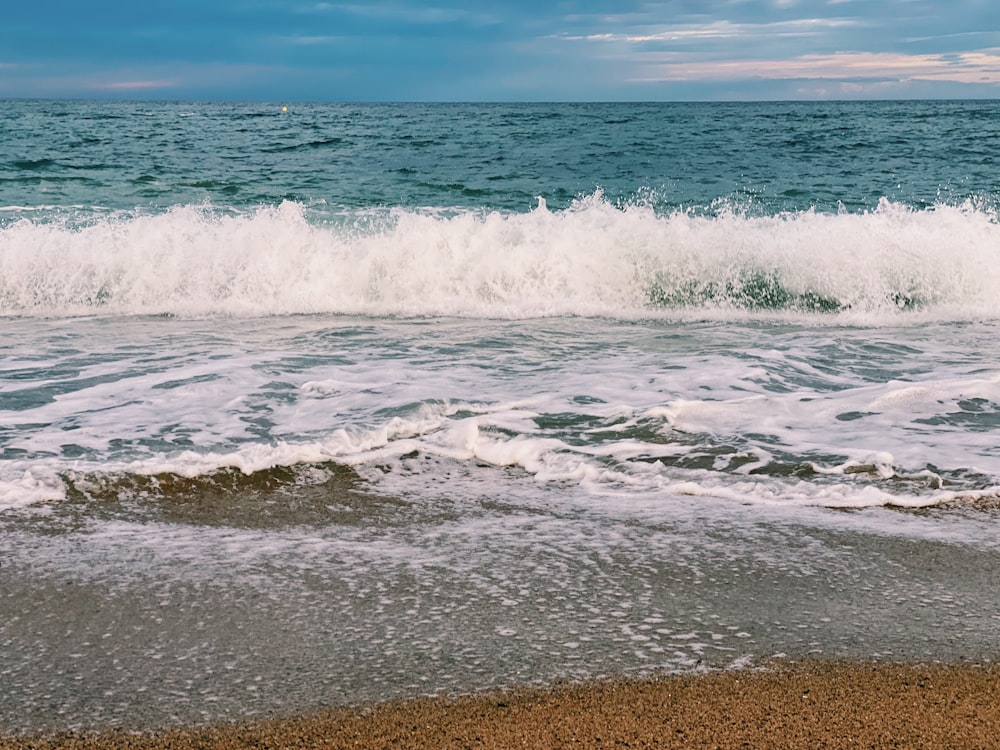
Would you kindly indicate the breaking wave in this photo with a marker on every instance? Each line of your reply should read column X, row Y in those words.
column 591, row 259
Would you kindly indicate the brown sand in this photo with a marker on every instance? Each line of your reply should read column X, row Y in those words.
column 812, row 705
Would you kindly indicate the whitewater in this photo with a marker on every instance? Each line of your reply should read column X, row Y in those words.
column 354, row 402
column 592, row 258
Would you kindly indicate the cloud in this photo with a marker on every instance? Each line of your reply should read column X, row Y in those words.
column 726, row 39
column 828, row 48
column 802, row 27
column 572, row 49
column 405, row 13
column 133, row 85
column 973, row 67
column 180, row 80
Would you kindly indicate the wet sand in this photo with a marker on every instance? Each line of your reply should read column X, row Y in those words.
column 807, row 705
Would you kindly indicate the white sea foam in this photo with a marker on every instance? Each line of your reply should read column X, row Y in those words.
column 593, row 258
column 767, row 415
column 606, row 470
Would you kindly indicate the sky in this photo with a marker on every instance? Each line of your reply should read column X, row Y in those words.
column 505, row 50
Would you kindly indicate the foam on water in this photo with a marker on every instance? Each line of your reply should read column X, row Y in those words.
column 594, row 258
column 684, row 449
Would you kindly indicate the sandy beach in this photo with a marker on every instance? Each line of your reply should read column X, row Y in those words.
column 806, row 705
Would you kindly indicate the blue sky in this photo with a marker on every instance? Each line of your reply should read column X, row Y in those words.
column 443, row 50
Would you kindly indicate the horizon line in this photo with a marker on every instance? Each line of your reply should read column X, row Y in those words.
column 215, row 100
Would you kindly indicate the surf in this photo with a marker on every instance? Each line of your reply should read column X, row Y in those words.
column 594, row 258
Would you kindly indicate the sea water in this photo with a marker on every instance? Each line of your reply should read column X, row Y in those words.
column 351, row 402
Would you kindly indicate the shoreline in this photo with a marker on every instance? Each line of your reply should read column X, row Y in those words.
column 805, row 704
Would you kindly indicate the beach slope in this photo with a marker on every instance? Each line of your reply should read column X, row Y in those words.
column 810, row 705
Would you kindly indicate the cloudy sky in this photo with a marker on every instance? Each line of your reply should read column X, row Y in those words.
column 392, row 50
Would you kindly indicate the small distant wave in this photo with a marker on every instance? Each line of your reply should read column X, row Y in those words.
column 307, row 146
column 591, row 259
column 32, row 165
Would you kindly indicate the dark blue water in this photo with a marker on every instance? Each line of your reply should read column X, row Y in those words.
column 767, row 157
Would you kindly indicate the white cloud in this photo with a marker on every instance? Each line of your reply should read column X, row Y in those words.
column 970, row 67
column 803, row 27
column 143, row 85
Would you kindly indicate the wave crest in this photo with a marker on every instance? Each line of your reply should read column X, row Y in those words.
column 591, row 259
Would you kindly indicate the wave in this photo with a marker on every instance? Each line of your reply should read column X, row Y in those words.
column 279, row 496
column 591, row 259
column 464, row 445
column 313, row 491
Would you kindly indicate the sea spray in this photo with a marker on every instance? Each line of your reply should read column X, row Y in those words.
column 592, row 258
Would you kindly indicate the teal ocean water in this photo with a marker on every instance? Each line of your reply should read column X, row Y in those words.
column 351, row 402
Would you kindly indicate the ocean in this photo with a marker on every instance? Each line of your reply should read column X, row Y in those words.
column 322, row 404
